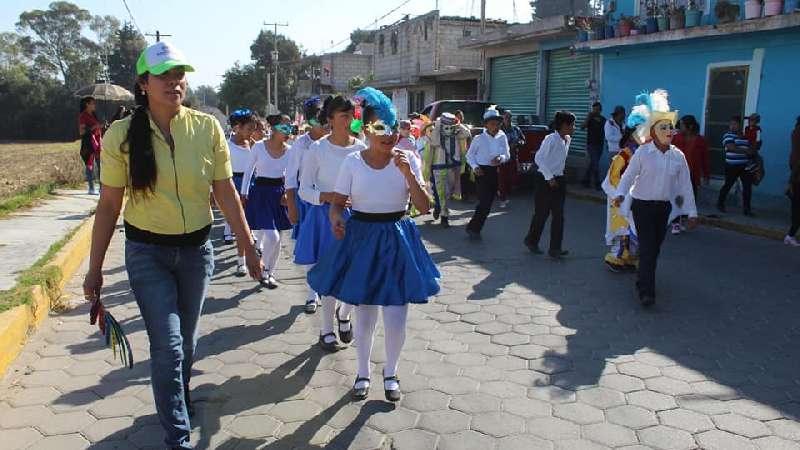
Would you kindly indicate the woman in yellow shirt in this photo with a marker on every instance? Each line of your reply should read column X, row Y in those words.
column 166, row 158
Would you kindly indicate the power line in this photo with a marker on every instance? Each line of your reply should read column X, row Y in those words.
column 375, row 22
column 124, row 2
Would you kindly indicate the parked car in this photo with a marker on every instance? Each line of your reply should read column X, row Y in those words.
column 534, row 135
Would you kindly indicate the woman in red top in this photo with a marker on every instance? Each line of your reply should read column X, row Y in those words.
column 90, row 131
column 695, row 148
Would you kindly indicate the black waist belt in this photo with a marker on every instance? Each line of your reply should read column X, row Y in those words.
column 264, row 181
column 193, row 239
column 652, row 202
column 238, row 174
column 378, row 217
column 489, row 168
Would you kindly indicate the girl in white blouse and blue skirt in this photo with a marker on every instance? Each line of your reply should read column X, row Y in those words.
column 317, row 180
column 244, row 123
column 379, row 261
column 265, row 201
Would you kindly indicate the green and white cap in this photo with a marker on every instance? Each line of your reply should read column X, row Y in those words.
column 161, row 57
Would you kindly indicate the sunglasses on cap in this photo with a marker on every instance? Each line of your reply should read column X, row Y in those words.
column 242, row 112
column 314, row 123
column 284, row 128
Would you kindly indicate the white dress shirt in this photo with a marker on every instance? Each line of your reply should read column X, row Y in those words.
column 296, row 152
column 659, row 176
column 613, row 135
column 376, row 190
column 240, row 156
column 320, row 167
column 262, row 164
column 485, row 148
column 552, row 155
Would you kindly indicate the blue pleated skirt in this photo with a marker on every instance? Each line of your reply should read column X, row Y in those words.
column 316, row 236
column 264, row 210
column 302, row 208
column 377, row 263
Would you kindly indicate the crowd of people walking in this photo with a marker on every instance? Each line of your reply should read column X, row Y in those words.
column 347, row 187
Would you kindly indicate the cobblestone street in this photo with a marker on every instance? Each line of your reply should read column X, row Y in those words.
column 517, row 352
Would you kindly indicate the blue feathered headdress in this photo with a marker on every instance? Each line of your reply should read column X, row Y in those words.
column 380, row 103
column 649, row 109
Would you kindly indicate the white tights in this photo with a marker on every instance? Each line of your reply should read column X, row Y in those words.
column 329, row 311
column 394, row 330
column 310, row 293
column 269, row 241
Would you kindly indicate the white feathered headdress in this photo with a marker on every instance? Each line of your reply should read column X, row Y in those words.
column 650, row 109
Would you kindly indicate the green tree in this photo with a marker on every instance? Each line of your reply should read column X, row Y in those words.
column 54, row 39
column 11, row 51
column 128, row 44
column 359, row 36
column 289, row 62
column 244, row 87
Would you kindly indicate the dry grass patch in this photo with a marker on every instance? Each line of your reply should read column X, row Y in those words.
column 30, row 167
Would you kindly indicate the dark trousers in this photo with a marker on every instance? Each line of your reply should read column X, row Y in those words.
column 593, row 171
column 486, row 185
column 549, row 202
column 651, row 225
column 795, row 198
column 732, row 173
column 505, row 179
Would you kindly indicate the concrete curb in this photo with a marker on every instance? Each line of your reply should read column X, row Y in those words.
column 17, row 323
column 754, row 230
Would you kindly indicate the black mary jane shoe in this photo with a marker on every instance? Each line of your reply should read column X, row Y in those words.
column 330, row 347
column 345, row 336
column 393, row 395
column 360, row 393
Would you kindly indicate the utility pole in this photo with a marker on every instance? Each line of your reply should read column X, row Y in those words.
column 483, row 16
column 158, row 35
column 274, row 58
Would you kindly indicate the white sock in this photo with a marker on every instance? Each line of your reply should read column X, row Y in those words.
column 240, row 261
column 270, row 243
column 328, row 310
column 345, row 312
column 394, row 330
column 365, row 335
column 227, row 231
column 310, row 294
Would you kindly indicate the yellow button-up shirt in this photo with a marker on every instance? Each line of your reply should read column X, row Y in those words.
column 180, row 203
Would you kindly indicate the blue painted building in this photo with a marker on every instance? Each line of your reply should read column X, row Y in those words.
column 714, row 71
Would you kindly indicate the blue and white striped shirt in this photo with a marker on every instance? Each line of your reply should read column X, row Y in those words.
column 733, row 158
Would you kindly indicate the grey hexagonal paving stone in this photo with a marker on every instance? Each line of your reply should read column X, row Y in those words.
column 393, row 421
column 34, row 396
column 503, row 389
column 438, row 369
column 444, row 421
column 600, row 397
column 497, row 424
column 483, row 373
column 413, row 440
column 788, row 429
column 426, row 400
column 62, row 442
column 722, row 440
column 26, row 416
column 553, row 429
column 631, row 416
column 523, row 442
column 740, row 425
column 638, row 370
column 579, row 413
column 293, row 411
column 475, row 403
column 115, row 407
column 610, row 434
column 506, row 362
column 66, row 423
column 703, row 404
column 775, row 443
column 621, row 383
column 527, row 407
column 253, row 426
column 754, row 410
column 580, row 444
column 118, row 427
column 552, row 394
column 686, row 420
column 466, row 359
column 465, row 440
column 454, row 386
column 666, row 438
column 448, row 346
column 651, row 400
column 668, row 386
column 510, row 339
column 20, row 438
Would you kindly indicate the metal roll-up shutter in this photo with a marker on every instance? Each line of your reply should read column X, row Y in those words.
column 568, row 88
column 515, row 83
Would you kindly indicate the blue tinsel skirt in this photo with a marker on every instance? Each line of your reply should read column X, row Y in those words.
column 264, row 210
column 317, row 236
column 377, row 263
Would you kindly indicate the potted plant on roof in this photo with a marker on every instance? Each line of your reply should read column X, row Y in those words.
column 726, row 12
column 624, row 26
column 599, row 24
column 773, row 7
column 752, row 9
column 651, row 7
column 677, row 16
column 693, row 14
column 662, row 17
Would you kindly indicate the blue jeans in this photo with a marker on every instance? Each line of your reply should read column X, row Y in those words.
column 170, row 285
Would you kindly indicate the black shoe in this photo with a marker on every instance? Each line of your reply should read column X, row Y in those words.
column 188, row 400
column 361, row 393
column 394, row 395
column 445, row 222
column 474, row 235
column 616, row 268
column 533, row 248
column 228, row 240
column 311, row 306
column 557, row 254
column 436, row 213
column 330, row 347
column 345, row 336
column 647, row 300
